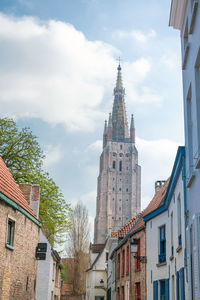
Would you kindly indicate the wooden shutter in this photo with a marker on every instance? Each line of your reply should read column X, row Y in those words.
column 167, row 289
column 155, row 290
column 182, row 284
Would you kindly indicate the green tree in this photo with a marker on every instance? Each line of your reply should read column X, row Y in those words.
column 23, row 156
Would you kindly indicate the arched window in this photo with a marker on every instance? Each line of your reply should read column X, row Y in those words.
column 120, row 166
column 113, row 164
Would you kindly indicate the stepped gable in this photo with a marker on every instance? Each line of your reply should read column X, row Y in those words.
column 157, row 199
column 9, row 188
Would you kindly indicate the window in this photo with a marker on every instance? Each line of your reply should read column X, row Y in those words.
column 113, row 164
column 120, row 166
column 173, row 288
column 121, row 154
column 119, row 265
column 120, row 147
column 10, row 233
column 172, row 235
column 118, row 293
column 123, row 293
column 123, row 262
column 190, row 128
column 106, row 256
column 120, row 189
column 27, row 279
column 179, row 220
column 197, row 87
column 138, row 291
column 162, row 290
column 126, row 190
column 120, row 208
column 138, row 254
column 127, row 260
column 162, row 254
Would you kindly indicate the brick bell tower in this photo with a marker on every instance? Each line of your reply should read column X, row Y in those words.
column 119, row 181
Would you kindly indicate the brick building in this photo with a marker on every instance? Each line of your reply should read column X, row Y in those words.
column 130, row 267
column 19, row 235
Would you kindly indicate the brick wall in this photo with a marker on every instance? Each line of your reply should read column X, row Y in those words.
column 18, row 267
column 137, row 275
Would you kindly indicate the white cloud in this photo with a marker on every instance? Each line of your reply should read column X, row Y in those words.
column 96, row 146
column 156, row 158
column 136, row 35
column 53, row 154
column 49, row 70
column 171, row 61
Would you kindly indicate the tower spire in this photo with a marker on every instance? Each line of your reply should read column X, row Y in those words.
column 119, row 120
column 132, row 130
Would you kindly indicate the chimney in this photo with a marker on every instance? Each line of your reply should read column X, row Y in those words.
column 159, row 184
column 32, row 194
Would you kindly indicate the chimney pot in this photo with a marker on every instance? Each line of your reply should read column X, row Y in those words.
column 159, row 184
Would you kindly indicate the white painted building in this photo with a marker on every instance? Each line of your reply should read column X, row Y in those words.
column 48, row 282
column 165, row 239
column 96, row 277
column 185, row 16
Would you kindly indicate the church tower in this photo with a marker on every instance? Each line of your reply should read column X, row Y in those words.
column 119, row 181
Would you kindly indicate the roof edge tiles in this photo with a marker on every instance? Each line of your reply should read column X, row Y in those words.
column 18, row 207
column 168, row 186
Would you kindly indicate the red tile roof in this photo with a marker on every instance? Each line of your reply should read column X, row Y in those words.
column 9, row 188
column 137, row 222
column 157, row 199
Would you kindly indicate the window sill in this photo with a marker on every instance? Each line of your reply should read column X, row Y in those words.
column 179, row 248
column 171, row 257
column 190, row 179
column 137, row 270
column 9, row 247
column 161, row 264
column 197, row 165
column 187, row 48
column 194, row 12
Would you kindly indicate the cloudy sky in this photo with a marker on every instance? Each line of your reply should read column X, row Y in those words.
column 57, row 73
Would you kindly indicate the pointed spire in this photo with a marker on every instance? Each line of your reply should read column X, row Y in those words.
column 110, row 120
column 105, row 127
column 132, row 122
column 119, row 120
column 119, row 85
column 105, row 134
column 132, row 130
column 109, row 130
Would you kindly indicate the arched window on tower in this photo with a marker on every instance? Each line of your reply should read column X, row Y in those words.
column 113, row 164
column 120, row 166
